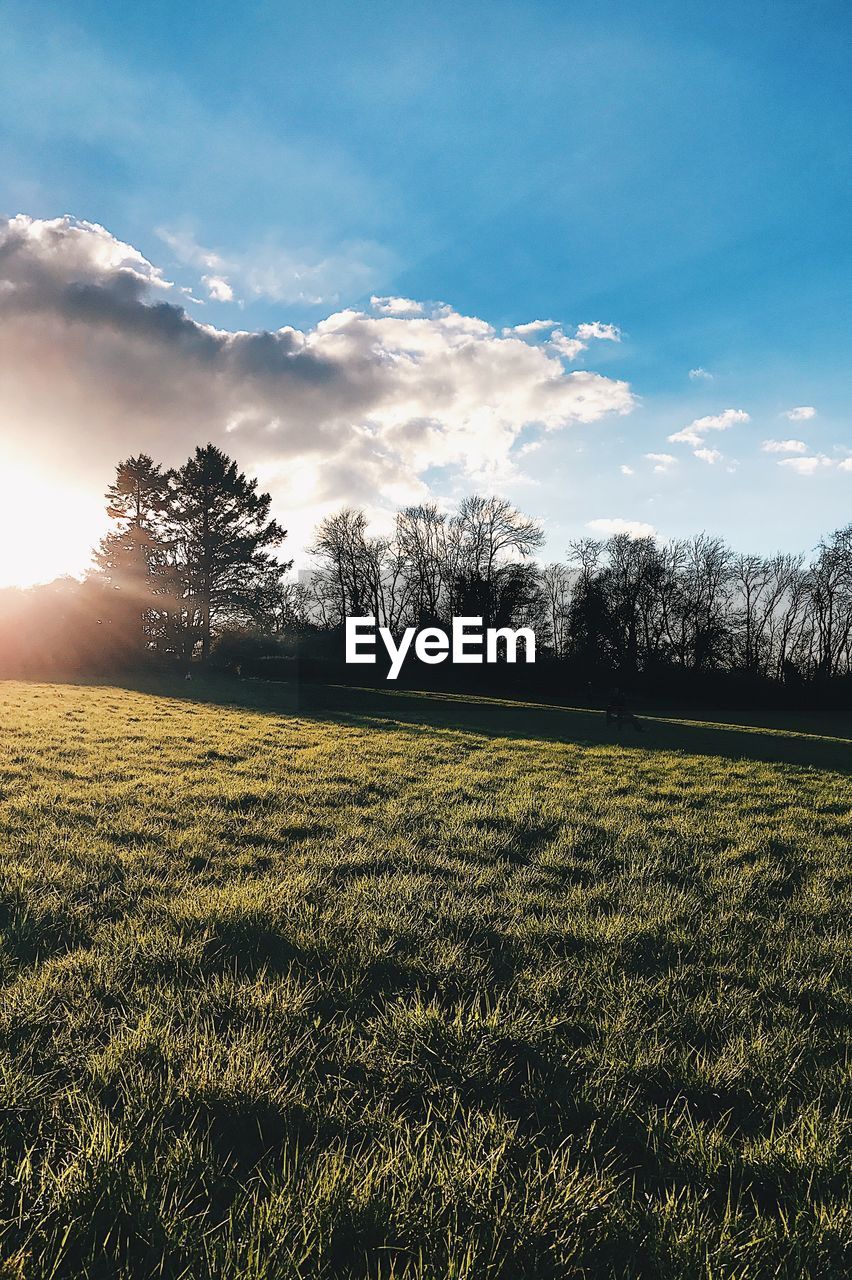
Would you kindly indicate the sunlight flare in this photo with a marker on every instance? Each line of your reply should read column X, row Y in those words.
column 47, row 529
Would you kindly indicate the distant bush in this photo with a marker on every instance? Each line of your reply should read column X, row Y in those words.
column 236, row 646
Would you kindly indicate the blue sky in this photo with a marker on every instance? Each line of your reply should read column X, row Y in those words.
column 678, row 170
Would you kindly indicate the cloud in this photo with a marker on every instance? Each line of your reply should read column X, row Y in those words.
column 309, row 277
column 396, row 306
column 663, row 462
column 701, row 375
column 98, row 360
column 610, row 527
column 625, row 470
column 218, row 288
column 801, row 413
column 561, row 343
column 806, row 466
column 784, row 446
column 37, row 254
column 809, row 465
column 595, row 329
column 708, row 455
column 695, row 431
column 570, row 348
column 531, row 327
column 565, row 346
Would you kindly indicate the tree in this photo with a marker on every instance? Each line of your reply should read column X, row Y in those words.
column 556, row 589
column 130, row 555
column 340, row 545
column 288, row 606
column 830, row 592
column 706, row 583
column 788, row 615
column 219, row 535
column 631, row 579
column 421, row 539
column 484, row 534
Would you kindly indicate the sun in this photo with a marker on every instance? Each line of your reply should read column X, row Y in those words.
column 47, row 528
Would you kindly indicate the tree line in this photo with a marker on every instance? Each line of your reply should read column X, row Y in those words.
column 191, row 569
column 622, row 606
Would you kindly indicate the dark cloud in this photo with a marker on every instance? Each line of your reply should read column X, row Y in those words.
column 98, row 359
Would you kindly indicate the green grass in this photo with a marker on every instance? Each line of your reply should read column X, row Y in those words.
column 331, row 983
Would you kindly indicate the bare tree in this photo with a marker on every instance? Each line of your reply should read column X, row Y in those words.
column 486, row 533
column 340, row 547
column 751, row 577
column 556, row 591
column 788, row 621
column 421, row 539
column 830, row 594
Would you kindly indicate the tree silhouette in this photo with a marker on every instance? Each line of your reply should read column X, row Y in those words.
column 130, row 555
column 219, row 534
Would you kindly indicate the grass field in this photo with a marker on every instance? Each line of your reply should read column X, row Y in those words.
column 334, row 983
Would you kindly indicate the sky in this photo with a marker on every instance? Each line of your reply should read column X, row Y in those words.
column 595, row 258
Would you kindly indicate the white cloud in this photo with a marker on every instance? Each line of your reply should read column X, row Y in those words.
column 218, row 288
column 801, row 413
column 602, row 332
column 845, row 465
column 626, row 471
column 309, row 277
column 784, row 446
column 695, row 431
column 531, row 327
column 357, row 408
column 396, row 306
column 806, row 466
column 610, row 527
column 560, row 343
column 701, row 375
column 708, row 455
column 83, row 252
column 565, row 346
column 662, row 461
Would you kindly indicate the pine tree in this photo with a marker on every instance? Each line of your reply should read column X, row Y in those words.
column 130, row 555
column 219, row 533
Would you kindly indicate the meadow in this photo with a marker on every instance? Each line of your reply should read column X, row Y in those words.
column 325, row 983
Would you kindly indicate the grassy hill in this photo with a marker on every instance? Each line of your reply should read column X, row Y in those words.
column 335, row 983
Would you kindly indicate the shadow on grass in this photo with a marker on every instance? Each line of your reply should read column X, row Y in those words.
column 397, row 709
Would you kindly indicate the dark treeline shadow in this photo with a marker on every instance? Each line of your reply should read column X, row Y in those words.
column 810, row 745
